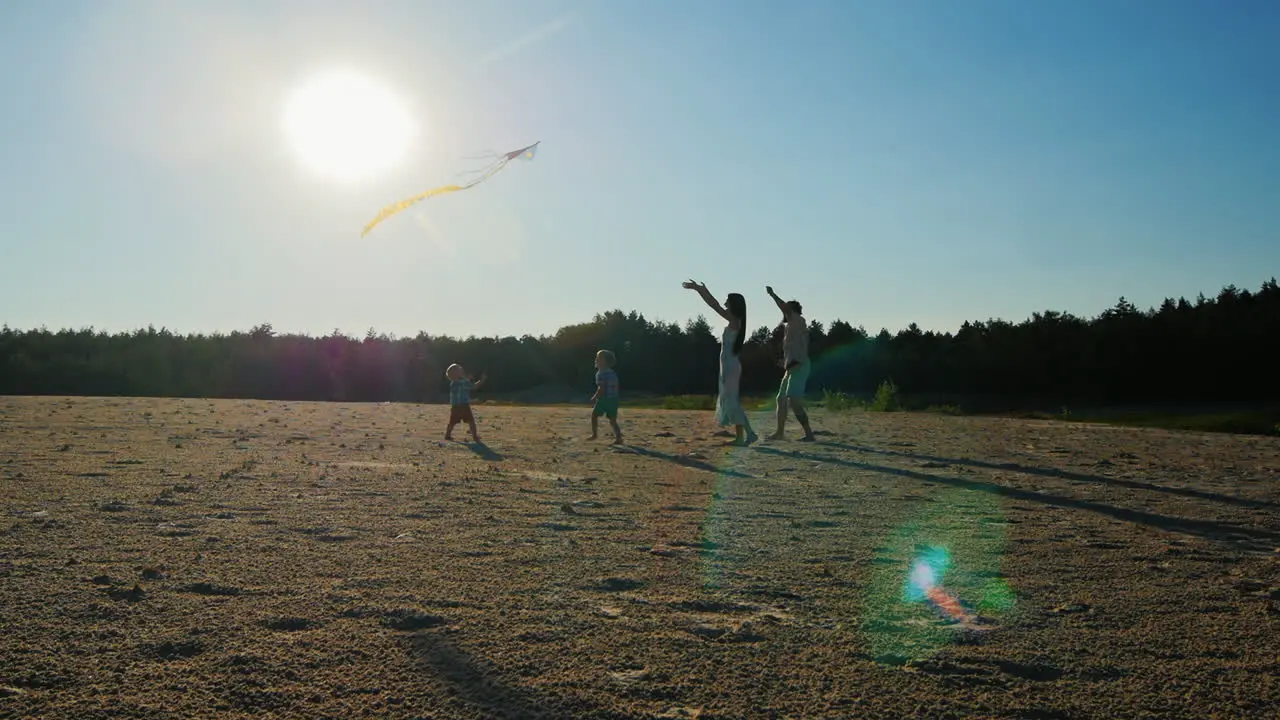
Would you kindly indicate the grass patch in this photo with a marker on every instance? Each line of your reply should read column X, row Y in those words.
column 646, row 402
column 888, row 398
column 689, row 402
column 1241, row 423
column 839, row 402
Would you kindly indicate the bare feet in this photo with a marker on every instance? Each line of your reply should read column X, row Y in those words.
column 449, row 437
column 617, row 440
column 593, row 436
column 775, row 436
column 808, row 438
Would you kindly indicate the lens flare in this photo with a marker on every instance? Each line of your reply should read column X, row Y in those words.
column 937, row 576
column 924, row 585
column 715, row 528
column 925, row 573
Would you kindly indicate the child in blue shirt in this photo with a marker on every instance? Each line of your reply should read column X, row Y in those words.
column 606, row 398
column 460, row 387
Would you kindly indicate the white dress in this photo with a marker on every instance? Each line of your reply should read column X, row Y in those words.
column 728, row 404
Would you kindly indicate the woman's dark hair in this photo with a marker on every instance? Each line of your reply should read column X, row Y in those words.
column 737, row 307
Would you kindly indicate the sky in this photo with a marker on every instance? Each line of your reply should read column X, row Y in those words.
column 882, row 161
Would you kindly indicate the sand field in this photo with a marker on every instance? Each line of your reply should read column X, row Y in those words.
column 232, row 559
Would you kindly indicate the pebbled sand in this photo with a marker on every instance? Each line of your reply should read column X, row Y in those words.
column 235, row 559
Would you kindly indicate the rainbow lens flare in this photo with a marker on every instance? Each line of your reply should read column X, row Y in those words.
column 936, row 577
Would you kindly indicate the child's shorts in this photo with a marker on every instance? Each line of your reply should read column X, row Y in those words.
column 460, row 413
column 606, row 406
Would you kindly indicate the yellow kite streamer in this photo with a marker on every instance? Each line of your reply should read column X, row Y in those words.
column 500, row 162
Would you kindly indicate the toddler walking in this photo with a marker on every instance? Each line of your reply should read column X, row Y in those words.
column 606, row 398
column 460, row 387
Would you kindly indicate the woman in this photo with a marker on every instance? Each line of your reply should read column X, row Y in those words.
column 728, row 405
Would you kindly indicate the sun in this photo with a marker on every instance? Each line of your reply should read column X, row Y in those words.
column 347, row 127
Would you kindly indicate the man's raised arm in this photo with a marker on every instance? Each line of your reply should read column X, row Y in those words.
column 786, row 311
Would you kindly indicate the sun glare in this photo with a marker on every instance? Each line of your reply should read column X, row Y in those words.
column 347, row 127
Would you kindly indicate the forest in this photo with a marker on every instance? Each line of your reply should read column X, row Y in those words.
column 1210, row 350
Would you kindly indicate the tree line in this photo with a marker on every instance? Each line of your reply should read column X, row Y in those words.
column 1206, row 351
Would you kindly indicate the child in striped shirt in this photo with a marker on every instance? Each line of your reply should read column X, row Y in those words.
column 460, row 387
column 606, row 397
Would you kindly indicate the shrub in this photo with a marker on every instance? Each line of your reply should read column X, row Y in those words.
column 886, row 399
column 839, row 402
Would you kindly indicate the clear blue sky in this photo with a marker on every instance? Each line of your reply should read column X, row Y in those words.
column 883, row 161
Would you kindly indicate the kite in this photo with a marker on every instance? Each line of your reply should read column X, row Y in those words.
column 478, row 176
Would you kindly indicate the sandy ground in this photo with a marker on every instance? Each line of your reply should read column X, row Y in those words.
column 229, row 559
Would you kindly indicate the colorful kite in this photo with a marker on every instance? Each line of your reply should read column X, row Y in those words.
column 478, row 176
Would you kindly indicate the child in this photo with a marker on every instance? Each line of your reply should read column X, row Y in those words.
column 460, row 387
column 606, row 397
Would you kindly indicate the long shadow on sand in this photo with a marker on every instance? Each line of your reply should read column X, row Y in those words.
column 1061, row 474
column 484, row 451
column 686, row 461
column 1249, row 538
column 479, row 686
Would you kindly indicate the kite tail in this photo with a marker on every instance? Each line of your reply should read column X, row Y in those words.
column 501, row 161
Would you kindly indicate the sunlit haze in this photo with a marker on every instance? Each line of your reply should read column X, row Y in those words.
column 209, row 166
column 344, row 126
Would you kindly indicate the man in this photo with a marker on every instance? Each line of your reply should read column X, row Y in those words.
column 795, row 361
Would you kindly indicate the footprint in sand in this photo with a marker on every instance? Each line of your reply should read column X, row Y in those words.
column 712, row 606
column 327, row 534
column 630, row 677
column 557, row 527
column 737, row 632
column 133, row 594
column 619, row 584
column 408, row 620
column 174, row 649
column 213, row 589
column 680, row 713
column 290, row 624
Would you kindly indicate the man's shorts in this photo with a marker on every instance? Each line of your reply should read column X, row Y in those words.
column 460, row 413
column 606, row 406
column 793, row 382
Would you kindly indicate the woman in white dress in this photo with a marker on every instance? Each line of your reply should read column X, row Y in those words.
column 728, row 403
